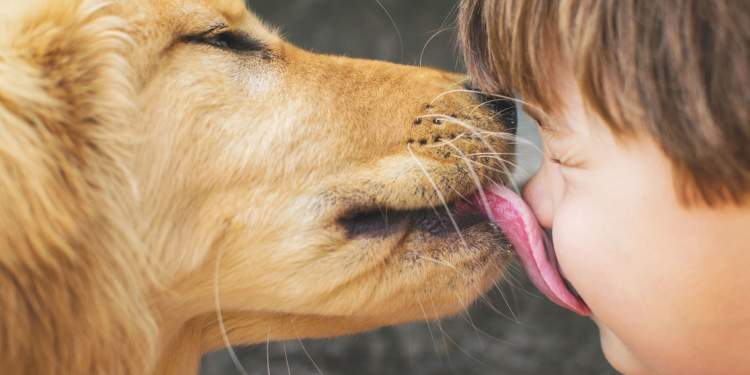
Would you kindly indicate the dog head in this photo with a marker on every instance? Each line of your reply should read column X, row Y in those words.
column 176, row 166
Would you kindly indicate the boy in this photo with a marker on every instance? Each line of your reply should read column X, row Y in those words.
column 645, row 187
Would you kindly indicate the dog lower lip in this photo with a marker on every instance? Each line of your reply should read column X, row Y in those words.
column 382, row 222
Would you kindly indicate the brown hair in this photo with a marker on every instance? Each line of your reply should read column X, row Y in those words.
column 676, row 70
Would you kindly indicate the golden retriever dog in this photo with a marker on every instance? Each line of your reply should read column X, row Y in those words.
column 176, row 178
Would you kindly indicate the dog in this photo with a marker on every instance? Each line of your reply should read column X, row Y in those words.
column 176, row 178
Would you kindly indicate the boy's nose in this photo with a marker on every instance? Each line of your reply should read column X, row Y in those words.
column 540, row 198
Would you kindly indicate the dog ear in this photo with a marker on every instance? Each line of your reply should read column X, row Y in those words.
column 73, row 274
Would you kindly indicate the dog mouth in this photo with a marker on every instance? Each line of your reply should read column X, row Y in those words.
column 496, row 206
column 440, row 221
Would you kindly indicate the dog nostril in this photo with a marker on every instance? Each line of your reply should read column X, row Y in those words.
column 423, row 142
column 437, row 138
column 410, row 141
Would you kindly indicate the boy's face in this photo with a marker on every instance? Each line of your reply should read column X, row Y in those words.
column 667, row 285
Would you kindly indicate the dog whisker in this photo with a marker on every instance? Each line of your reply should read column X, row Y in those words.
column 499, row 97
column 501, row 171
column 220, row 318
column 443, row 142
column 448, row 338
column 507, row 303
column 475, row 178
column 455, row 91
column 451, row 15
column 466, row 317
column 429, row 327
column 491, row 154
column 437, row 261
column 268, row 354
column 443, row 334
column 485, row 203
column 286, row 359
column 478, row 331
column 514, row 139
column 433, row 36
column 497, row 311
column 440, row 196
column 395, row 26
column 477, row 181
column 488, row 145
column 317, row 368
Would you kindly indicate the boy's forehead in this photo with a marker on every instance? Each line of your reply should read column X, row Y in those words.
column 569, row 116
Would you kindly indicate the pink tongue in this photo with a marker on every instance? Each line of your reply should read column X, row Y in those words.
column 515, row 219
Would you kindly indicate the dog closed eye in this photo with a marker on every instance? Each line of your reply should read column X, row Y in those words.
column 232, row 40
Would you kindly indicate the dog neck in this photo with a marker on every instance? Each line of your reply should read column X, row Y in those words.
column 183, row 344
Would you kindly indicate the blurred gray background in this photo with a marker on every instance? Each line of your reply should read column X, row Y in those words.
column 514, row 331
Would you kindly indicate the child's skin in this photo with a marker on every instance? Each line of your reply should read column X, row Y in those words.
column 668, row 285
column 645, row 185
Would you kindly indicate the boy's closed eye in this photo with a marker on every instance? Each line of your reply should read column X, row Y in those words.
column 561, row 146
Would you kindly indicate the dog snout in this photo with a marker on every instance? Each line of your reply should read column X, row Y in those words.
column 502, row 106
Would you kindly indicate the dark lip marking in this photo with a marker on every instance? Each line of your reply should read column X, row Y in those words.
column 381, row 222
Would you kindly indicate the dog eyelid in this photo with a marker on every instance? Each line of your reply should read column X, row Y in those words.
column 230, row 40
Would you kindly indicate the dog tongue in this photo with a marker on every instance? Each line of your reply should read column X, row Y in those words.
column 515, row 219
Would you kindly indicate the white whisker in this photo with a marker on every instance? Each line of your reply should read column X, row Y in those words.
column 286, row 359
column 268, row 354
column 466, row 91
column 395, row 26
column 488, row 145
column 429, row 327
column 466, row 317
column 497, row 311
column 220, row 318
column 433, row 36
column 485, row 204
column 310, row 357
column 443, row 263
column 507, row 303
column 440, row 196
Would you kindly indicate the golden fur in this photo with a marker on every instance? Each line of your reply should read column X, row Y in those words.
column 161, row 197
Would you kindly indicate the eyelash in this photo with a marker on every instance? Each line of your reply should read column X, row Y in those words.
column 230, row 41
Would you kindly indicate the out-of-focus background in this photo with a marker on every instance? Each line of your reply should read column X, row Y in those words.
column 513, row 331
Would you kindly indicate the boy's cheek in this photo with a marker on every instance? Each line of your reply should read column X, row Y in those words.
column 581, row 244
column 585, row 248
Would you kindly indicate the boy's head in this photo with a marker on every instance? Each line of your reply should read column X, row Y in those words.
column 675, row 71
column 645, row 114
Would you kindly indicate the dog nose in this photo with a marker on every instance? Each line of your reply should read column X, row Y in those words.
column 503, row 107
